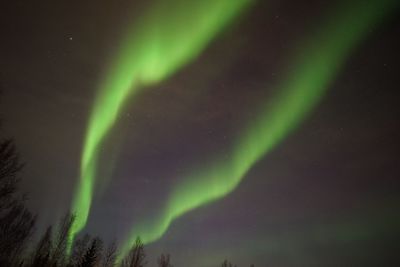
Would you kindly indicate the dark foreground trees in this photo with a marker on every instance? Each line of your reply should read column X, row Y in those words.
column 136, row 256
column 52, row 248
column 164, row 261
column 16, row 221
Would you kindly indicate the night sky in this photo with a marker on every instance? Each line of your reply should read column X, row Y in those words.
column 327, row 194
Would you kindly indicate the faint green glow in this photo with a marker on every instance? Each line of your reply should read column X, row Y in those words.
column 311, row 72
column 170, row 34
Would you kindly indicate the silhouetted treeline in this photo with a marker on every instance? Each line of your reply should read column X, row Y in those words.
column 16, row 221
column 52, row 249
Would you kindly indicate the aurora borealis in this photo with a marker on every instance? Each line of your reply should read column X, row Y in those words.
column 258, row 131
column 160, row 43
column 313, row 72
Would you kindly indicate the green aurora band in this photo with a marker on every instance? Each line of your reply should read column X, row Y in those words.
column 311, row 72
column 169, row 35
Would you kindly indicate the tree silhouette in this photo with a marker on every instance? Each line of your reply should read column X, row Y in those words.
column 136, row 256
column 42, row 254
column 110, row 256
column 93, row 254
column 79, row 249
column 59, row 257
column 164, row 261
column 226, row 263
column 16, row 221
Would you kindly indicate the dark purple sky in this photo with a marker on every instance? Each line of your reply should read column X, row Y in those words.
column 328, row 194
